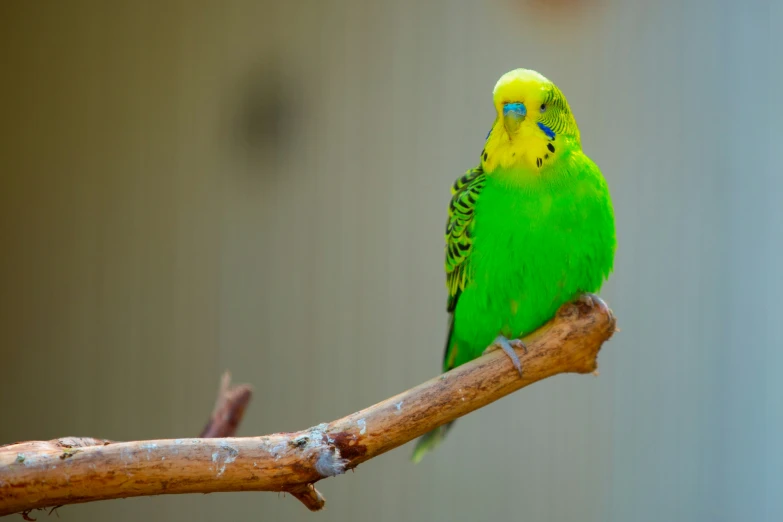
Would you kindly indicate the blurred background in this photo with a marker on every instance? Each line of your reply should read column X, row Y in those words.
column 189, row 187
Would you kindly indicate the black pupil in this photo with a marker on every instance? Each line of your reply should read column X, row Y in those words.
column 543, row 106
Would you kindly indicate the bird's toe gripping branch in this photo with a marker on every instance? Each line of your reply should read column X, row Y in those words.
column 508, row 347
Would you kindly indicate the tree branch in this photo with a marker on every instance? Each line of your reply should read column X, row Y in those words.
column 68, row 471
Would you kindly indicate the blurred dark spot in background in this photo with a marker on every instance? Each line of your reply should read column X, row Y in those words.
column 264, row 112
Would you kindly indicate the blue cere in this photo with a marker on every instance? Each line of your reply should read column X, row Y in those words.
column 517, row 108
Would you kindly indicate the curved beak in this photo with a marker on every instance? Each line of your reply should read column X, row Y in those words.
column 513, row 116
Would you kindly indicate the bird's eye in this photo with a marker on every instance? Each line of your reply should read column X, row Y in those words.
column 543, row 107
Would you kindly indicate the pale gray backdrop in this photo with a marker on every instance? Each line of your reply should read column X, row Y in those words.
column 189, row 187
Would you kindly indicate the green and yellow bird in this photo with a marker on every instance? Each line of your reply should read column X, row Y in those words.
column 529, row 229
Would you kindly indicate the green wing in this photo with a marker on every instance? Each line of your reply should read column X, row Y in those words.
column 459, row 227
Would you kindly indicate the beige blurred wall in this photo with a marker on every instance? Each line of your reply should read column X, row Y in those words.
column 188, row 187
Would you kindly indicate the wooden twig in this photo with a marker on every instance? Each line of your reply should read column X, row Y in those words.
column 67, row 471
column 229, row 409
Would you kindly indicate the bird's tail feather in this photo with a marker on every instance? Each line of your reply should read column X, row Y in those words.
column 429, row 441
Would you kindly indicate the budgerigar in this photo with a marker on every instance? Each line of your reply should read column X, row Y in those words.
column 529, row 229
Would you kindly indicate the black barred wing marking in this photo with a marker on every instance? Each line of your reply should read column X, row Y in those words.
column 465, row 194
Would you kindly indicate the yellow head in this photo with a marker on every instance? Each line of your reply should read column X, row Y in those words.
column 534, row 124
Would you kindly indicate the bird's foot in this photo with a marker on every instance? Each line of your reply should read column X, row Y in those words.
column 508, row 346
column 592, row 300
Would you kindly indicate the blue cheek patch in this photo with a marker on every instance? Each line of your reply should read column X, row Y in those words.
column 549, row 132
column 490, row 132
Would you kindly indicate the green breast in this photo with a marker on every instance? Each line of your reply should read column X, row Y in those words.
column 535, row 248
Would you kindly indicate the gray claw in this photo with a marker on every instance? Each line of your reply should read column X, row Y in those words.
column 593, row 300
